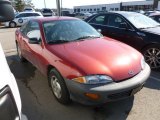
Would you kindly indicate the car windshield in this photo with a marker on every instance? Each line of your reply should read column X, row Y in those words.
column 142, row 21
column 68, row 31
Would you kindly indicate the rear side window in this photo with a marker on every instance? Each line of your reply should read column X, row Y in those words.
column 46, row 11
column 31, row 14
column 100, row 19
column 21, row 15
column 35, row 14
column 115, row 21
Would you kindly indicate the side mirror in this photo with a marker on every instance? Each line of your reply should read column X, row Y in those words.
column 99, row 30
column 123, row 25
column 33, row 41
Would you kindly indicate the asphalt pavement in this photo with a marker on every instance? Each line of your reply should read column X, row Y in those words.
column 38, row 102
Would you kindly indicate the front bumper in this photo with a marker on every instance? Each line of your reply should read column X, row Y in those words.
column 109, row 92
column 6, row 24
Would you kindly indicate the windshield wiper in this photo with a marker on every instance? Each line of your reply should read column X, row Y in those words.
column 85, row 37
column 57, row 41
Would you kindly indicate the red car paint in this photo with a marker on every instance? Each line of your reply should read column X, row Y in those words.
column 81, row 58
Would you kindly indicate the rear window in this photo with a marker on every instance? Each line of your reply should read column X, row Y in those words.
column 46, row 11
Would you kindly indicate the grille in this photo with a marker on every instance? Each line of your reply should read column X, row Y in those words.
column 120, row 95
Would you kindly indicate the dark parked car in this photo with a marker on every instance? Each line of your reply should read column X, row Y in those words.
column 134, row 29
column 46, row 12
column 80, row 63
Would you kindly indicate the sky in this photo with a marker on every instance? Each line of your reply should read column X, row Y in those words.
column 72, row 3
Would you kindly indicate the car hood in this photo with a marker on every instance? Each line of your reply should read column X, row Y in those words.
column 101, row 56
column 155, row 30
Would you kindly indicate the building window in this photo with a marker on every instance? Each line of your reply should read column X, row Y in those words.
column 84, row 9
column 111, row 9
column 116, row 9
column 94, row 9
column 90, row 9
column 103, row 8
column 87, row 9
column 97, row 9
column 81, row 9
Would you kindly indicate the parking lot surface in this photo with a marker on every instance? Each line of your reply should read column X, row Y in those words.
column 39, row 103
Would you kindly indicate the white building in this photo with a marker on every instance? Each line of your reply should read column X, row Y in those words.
column 125, row 6
column 95, row 8
column 137, row 5
column 159, row 5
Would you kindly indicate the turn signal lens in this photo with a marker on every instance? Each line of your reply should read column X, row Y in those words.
column 94, row 79
column 92, row 96
column 80, row 80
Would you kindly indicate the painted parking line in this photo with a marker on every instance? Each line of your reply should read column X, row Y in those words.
column 154, row 78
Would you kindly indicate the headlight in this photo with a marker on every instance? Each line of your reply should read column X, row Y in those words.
column 94, row 79
column 143, row 63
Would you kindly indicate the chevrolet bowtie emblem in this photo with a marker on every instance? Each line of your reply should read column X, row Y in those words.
column 130, row 72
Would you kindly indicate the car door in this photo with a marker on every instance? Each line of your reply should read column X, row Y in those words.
column 23, row 41
column 99, row 22
column 21, row 19
column 35, row 50
column 126, row 34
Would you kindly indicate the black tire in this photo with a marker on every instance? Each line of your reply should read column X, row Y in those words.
column 55, row 78
column 152, row 56
column 22, row 59
column 12, row 24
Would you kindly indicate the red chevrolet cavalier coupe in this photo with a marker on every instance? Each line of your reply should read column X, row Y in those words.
column 80, row 63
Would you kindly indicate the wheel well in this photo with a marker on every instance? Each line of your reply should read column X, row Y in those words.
column 148, row 46
column 12, row 22
column 49, row 68
column 52, row 67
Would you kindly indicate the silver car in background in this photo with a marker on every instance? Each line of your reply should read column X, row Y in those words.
column 21, row 18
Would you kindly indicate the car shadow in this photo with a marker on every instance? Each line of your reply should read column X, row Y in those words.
column 22, row 71
column 154, row 80
column 3, row 27
column 45, row 107
column 118, row 110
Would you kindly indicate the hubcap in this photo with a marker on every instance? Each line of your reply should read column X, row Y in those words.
column 56, row 88
column 12, row 24
column 152, row 57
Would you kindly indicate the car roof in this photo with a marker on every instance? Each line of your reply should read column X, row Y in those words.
column 126, row 13
column 54, row 18
column 27, row 12
column 123, row 13
column 155, row 14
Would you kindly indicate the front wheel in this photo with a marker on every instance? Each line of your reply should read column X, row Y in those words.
column 12, row 24
column 152, row 56
column 58, row 87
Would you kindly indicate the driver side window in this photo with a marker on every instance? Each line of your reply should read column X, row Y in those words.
column 33, row 30
column 115, row 21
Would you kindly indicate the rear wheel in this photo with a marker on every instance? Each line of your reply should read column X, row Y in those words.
column 58, row 87
column 12, row 24
column 152, row 56
column 19, row 53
